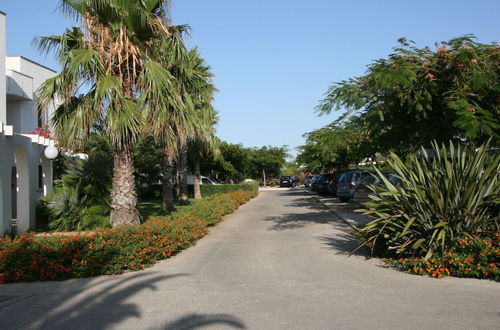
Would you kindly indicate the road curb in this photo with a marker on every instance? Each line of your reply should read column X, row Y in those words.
column 325, row 206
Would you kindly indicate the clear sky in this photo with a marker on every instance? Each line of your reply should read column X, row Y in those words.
column 274, row 59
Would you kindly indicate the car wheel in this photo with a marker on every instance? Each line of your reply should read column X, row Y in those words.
column 344, row 199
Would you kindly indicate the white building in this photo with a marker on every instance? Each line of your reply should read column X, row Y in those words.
column 25, row 173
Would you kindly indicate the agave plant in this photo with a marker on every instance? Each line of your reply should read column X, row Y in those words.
column 444, row 193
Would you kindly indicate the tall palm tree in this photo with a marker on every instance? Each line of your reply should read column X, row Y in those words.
column 174, row 125
column 204, row 144
column 170, row 121
column 199, row 91
column 109, row 77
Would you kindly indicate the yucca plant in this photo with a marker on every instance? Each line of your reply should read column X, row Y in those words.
column 444, row 193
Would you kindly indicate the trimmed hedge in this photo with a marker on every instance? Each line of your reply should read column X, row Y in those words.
column 113, row 251
column 212, row 189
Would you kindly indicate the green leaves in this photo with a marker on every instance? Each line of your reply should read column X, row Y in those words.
column 418, row 95
column 445, row 192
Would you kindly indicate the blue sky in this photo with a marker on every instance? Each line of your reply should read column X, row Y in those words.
column 274, row 59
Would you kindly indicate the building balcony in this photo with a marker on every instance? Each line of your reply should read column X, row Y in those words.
column 19, row 86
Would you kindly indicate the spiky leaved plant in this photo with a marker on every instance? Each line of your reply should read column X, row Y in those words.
column 445, row 192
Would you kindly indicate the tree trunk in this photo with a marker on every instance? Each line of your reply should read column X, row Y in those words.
column 123, row 194
column 168, row 180
column 264, row 177
column 197, row 179
column 182, row 172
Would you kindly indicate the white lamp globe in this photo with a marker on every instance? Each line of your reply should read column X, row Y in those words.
column 51, row 152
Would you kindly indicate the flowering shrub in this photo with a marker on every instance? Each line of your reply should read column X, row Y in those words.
column 42, row 131
column 112, row 251
column 468, row 257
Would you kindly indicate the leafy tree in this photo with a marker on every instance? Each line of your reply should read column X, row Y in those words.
column 148, row 166
column 336, row 145
column 108, row 77
column 418, row 95
column 268, row 162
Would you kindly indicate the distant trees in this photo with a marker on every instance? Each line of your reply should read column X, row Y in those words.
column 237, row 161
column 411, row 98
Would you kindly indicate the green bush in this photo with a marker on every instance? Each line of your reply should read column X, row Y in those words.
column 209, row 189
column 112, row 251
column 81, row 199
column 445, row 194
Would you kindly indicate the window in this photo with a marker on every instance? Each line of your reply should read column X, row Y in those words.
column 40, row 177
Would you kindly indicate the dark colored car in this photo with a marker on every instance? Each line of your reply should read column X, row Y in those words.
column 334, row 182
column 348, row 182
column 321, row 184
column 288, row 181
column 314, row 181
column 308, row 180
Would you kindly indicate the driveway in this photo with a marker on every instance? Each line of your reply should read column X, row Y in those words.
column 280, row 262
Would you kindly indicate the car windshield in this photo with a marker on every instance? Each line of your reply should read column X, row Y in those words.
column 346, row 177
column 285, row 178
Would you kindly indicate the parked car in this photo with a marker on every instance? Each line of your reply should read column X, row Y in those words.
column 204, row 180
column 362, row 190
column 309, row 179
column 288, row 181
column 348, row 182
column 334, row 182
column 322, row 183
column 314, row 185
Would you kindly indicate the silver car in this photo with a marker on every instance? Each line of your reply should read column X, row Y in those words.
column 349, row 181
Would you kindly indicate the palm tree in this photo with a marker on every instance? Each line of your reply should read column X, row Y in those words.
column 109, row 77
column 204, row 144
column 198, row 91
column 174, row 125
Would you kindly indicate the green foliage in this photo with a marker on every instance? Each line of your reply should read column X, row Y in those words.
column 80, row 200
column 209, row 189
column 237, row 161
column 476, row 257
column 445, row 193
column 337, row 145
column 418, row 95
column 112, row 251
column 148, row 156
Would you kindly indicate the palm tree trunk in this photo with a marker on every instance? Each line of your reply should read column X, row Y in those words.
column 197, row 179
column 168, row 180
column 264, row 177
column 182, row 172
column 123, row 194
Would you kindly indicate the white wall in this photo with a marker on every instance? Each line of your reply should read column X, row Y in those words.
column 3, row 110
column 21, row 151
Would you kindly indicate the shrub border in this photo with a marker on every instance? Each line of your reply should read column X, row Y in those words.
column 116, row 250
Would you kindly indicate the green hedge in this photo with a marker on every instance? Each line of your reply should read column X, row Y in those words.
column 209, row 189
column 113, row 251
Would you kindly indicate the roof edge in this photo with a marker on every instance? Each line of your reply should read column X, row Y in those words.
column 36, row 63
column 4, row 14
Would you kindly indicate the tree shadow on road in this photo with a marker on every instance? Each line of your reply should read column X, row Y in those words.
column 81, row 303
column 197, row 321
column 344, row 243
column 299, row 220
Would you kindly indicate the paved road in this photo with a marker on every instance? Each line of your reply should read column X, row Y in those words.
column 280, row 262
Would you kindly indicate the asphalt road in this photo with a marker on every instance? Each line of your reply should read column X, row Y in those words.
column 280, row 262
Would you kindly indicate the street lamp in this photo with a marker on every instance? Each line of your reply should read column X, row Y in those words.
column 51, row 152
